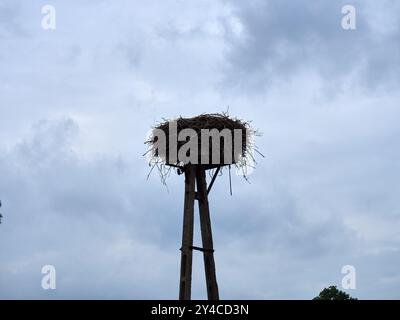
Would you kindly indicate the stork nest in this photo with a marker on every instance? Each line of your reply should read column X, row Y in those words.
column 240, row 157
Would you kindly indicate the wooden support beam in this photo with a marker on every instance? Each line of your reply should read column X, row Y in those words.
column 213, row 179
column 187, row 234
column 201, row 249
column 206, row 234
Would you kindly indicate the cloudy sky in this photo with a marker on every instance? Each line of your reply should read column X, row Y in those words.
column 77, row 102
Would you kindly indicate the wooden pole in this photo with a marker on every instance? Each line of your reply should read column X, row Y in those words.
column 187, row 234
column 206, row 234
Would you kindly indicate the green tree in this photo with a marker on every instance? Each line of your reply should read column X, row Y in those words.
column 333, row 293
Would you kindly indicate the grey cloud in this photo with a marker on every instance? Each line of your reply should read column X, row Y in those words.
column 10, row 20
column 82, row 216
column 285, row 38
column 74, row 188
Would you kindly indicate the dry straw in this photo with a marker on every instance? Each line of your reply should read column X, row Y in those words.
column 244, row 155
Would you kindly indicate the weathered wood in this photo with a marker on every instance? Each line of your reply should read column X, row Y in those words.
column 206, row 234
column 213, row 179
column 202, row 249
column 187, row 234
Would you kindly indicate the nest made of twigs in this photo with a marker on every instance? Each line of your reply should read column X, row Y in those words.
column 239, row 155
